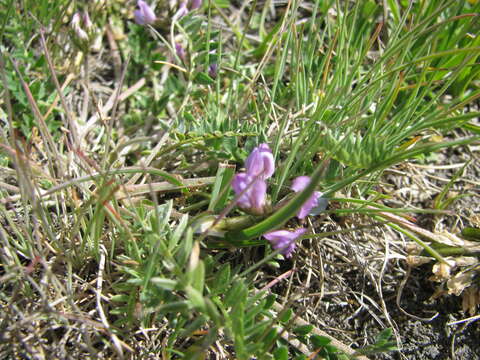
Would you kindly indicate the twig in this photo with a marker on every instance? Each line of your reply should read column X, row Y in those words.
column 101, row 313
column 469, row 319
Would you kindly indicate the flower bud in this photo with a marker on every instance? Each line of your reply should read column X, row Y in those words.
column 77, row 26
column 213, row 70
column 144, row 14
column 195, row 4
column 180, row 51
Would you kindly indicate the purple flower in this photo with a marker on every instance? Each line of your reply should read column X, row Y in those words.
column 252, row 191
column 77, row 21
column 299, row 184
column 284, row 240
column 195, row 4
column 213, row 70
column 86, row 20
column 144, row 14
column 180, row 51
column 260, row 162
column 182, row 10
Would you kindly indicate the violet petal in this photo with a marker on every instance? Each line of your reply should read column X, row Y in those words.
column 299, row 184
column 144, row 14
column 254, row 192
column 239, row 184
column 284, row 240
column 260, row 162
column 257, row 195
column 195, row 4
column 182, row 9
column 180, row 51
column 213, row 70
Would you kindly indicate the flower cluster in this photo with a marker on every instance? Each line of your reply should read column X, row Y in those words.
column 251, row 190
column 82, row 25
column 250, row 186
column 145, row 15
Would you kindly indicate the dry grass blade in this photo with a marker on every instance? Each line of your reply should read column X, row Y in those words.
column 446, row 239
column 55, row 158
column 128, row 191
column 71, row 122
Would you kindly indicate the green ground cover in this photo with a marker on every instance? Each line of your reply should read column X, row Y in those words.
column 122, row 236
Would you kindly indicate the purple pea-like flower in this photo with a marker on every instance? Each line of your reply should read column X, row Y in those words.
column 299, row 184
column 195, row 4
column 144, row 14
column 180, row 51
column 252, row 191
column 182, row 10
column 284, row 240
column 260, row 162
column 86, row 20
column 213, row 70
column 77, row 26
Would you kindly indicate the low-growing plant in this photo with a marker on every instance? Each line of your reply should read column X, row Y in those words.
column 128, row 225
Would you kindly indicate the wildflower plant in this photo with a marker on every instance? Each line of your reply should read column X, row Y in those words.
column 109, row 201
column 251, row 190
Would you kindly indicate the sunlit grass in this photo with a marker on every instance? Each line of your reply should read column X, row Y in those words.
column 116, row 149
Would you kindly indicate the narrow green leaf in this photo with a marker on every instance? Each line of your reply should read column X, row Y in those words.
column 471, row 233
column 238, row 329
column 384, row 336
column 319, row 341
column 177, row 234
column 303, row 330
column 196, row 298
column 212, row 312
column 236, row 294
column 281, row 353
column 270, row 301
column 119, row 298
column 197, row 276
column 221, row 187
column 162, row 216
column 173, row 307
column 163, row 283
column 185, row 248
column 204, row 79
column 221, row 281
column 196, row 324
column 286, row 316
